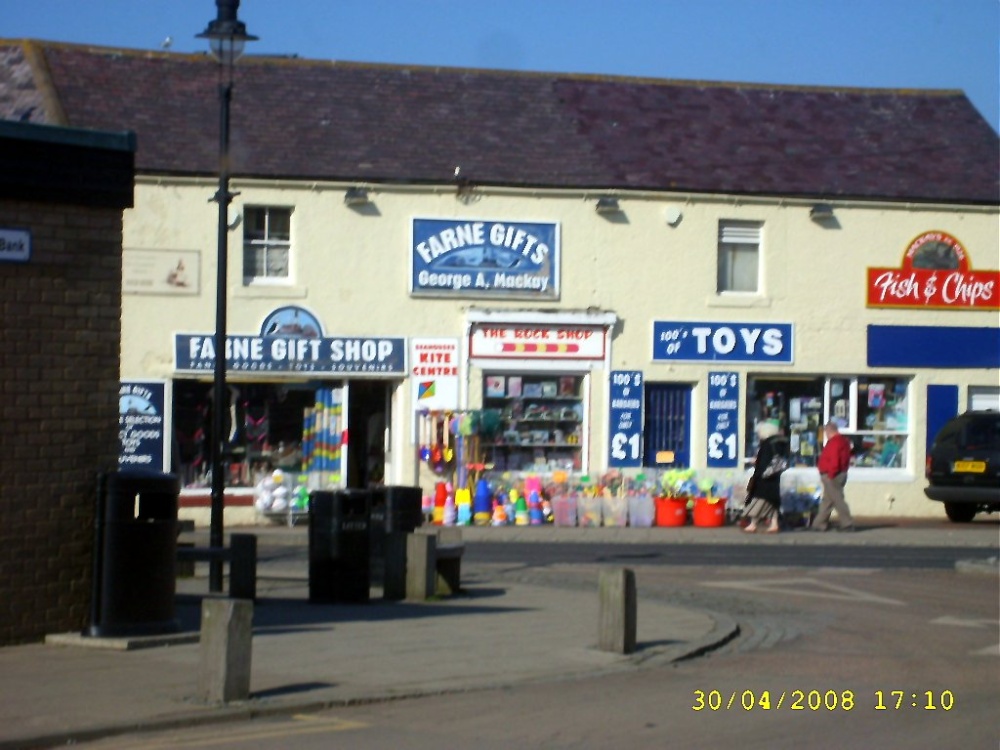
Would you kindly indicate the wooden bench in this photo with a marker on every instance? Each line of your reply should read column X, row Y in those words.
column 241, row 555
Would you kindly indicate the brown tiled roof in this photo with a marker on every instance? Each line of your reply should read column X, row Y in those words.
column 315, row 120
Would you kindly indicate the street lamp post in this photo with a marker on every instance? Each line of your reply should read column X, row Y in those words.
column 227, row 36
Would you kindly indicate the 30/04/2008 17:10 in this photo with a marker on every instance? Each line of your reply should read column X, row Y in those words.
column 819, row 700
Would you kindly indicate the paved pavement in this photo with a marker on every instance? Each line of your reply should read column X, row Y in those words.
column 499, row 632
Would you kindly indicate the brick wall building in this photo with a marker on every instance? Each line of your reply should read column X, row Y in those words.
column 62, row 193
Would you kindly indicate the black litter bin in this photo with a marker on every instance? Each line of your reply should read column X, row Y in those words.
column 135, row 550
column 393, row 509
column 338, row 546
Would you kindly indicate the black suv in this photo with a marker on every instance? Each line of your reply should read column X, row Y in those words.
column 963, row 465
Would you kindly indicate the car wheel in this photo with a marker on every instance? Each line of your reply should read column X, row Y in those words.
column 960, row 512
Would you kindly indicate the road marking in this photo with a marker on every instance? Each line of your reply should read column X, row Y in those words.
column 965, row 622
column 298, row 725
column 993, row 650
column 806, row 587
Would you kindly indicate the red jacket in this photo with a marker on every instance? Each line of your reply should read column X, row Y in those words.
column 835, row 458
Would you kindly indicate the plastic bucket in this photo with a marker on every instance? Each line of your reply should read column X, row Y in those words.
column 640, row 510
column 670, row 511
column 564, row 510
column 709, row 512
column 615, row 510
column 588, row 511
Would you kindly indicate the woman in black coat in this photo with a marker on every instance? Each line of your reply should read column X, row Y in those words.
column 764, row 487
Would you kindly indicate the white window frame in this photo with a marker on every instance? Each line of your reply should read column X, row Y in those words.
column 737, row 236
column 267, row 244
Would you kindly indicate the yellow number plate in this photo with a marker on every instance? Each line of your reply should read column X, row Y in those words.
column 971, row 467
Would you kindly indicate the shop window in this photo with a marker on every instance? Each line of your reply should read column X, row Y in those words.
column 983, row 398
column 266, row 244
column 871, row 411
column 541, row 422
column 739, row 256
column 267, row 427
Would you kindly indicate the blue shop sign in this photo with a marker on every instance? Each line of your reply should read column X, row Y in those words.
column 723, row 416
column 141, row 441
column 625, row 422
column 761, row 343
column 293, row 354
column 485, row 259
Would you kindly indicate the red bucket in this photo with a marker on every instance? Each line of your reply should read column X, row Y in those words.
column 707, row 513
column 670, row 511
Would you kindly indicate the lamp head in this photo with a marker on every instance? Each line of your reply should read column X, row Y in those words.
column 226, row 34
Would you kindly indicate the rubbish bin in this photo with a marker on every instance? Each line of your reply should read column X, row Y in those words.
column 135, row 546
column 338, row 546
column 393, row 509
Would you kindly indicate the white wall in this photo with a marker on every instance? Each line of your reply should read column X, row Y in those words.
column 351, row 268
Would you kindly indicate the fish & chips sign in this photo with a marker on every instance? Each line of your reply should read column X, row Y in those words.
column 935, row 273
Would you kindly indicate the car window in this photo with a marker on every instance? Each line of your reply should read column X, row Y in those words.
column 981, row 434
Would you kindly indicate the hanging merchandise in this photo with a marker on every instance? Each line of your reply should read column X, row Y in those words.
column 322, row 438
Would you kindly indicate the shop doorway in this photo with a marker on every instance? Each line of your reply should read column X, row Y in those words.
column 668, row 423
column 368, row 430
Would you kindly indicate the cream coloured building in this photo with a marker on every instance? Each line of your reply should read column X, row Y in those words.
column 546, row 273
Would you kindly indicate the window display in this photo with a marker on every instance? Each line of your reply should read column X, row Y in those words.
column 871, row 411
column 268, row 427
column 542, row 422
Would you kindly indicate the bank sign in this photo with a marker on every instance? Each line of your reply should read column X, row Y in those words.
column 485, row 259
column 293, row 354
column 760, row 343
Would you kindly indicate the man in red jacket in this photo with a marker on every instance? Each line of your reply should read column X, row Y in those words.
column 834, row 461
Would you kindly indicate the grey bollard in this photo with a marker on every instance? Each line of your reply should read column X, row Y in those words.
column 226, row 634
column 243, row 566
column 394, row 577
column 617, row 617
column 421, row 573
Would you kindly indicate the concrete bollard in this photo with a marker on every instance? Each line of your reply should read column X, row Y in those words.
column 421, row 575
column 616, row 630
column 394, row 577
column 226, row 634
column 243, row 566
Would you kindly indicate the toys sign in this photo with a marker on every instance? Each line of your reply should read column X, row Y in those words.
column 723, row 342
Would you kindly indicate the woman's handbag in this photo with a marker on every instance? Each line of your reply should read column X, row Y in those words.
column 778, row 464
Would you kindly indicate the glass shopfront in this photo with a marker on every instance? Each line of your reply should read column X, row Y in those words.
column 872, row 412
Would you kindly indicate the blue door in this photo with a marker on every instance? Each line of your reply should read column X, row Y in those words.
column 668, row 423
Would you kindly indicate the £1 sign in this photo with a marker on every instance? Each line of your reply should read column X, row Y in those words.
column 723, row 413
column 625, row 422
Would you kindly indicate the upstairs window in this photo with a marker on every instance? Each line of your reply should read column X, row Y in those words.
column 739, row 256
column 266, row 244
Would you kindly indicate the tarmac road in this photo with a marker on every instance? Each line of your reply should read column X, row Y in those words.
column 515, row 656
column 820, row 653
